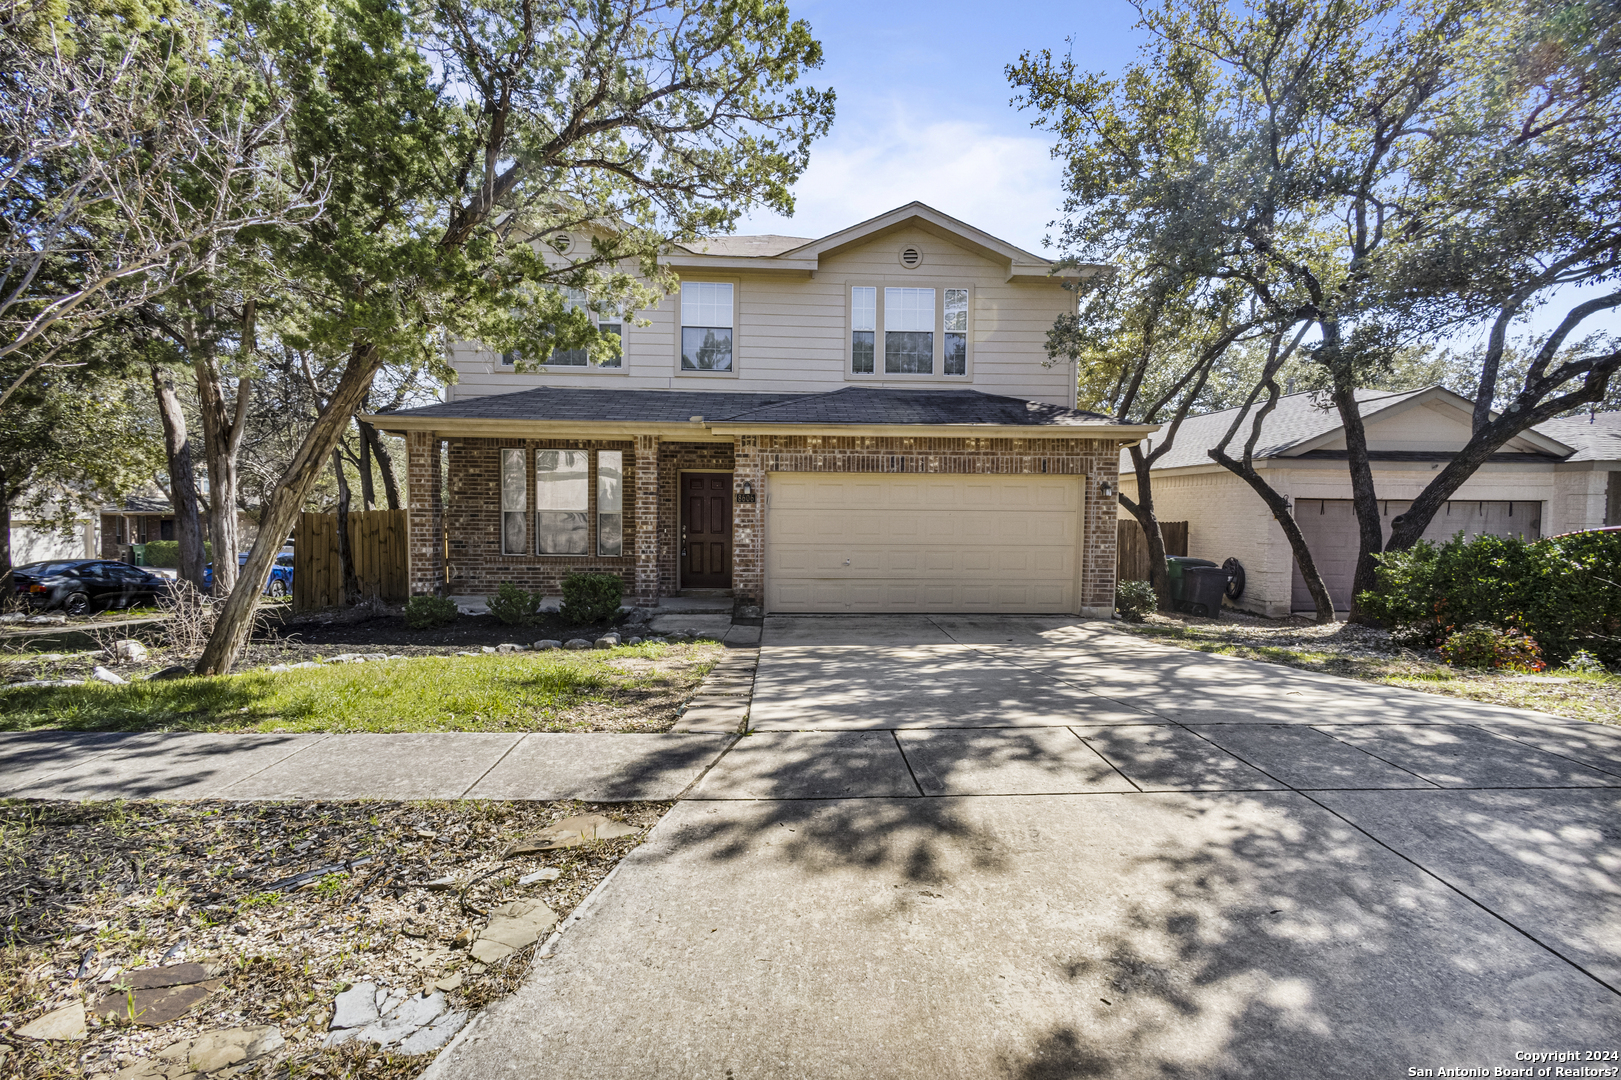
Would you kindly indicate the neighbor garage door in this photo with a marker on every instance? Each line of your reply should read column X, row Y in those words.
column 880, row 542
column 1330, row 529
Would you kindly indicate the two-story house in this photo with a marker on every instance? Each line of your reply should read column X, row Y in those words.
column 865, row 422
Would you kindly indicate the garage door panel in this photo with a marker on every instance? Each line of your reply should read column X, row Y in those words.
column 922, row 543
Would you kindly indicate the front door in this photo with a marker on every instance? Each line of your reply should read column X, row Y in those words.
column 706, row 530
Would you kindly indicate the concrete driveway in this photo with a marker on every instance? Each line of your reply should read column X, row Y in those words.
column 1037, row 848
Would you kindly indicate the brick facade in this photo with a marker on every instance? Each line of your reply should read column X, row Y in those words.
column 472, row 514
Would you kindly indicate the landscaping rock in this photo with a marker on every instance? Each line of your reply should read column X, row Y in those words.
column 129, row 650
column 101, row 674
column 346, row 658
column 486, row 649
column 634, row 641
column 29, row 684
column 512, row 927
column 432, row 1038
column 546, row 643
column 467, row 654
column 215, row 1050
column 607, row 641
column 356, row 1007
column 508, row 647
column 577, row 643
column 13, row 616
column 278, row 668
column 177, row 671
column 67, row 1022
column 45, row 620
column 550, row 873
column 570, row 832
column 375, row 656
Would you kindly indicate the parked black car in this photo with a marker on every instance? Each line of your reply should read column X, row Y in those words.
column 84, row 585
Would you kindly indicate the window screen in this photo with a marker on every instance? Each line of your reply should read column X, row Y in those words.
column 562, row 502
column 706, row 326
column 513, row 483
column 956, row 327
column 863, row 325
column 610, row 502
column 909, row 331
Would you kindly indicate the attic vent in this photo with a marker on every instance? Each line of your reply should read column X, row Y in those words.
column 911, row 258
column 562, row 243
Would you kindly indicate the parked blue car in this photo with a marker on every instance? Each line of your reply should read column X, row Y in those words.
column 280, row 582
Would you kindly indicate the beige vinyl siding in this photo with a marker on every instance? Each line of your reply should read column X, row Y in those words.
column 791, row 331
column 879, row 542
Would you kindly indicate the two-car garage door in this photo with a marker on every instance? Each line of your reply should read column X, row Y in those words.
column 877, row 542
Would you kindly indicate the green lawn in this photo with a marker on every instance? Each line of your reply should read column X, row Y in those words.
column 552, row 691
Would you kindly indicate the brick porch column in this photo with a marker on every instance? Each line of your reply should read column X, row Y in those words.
column 1101, row 531
column 425, row 512
column 748, row 523
column 646, row 460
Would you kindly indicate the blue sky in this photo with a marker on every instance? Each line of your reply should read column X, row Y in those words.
column 924, row 113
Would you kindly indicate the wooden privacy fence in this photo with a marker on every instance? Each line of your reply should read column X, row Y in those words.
column 1131, row 547
column 377, row 540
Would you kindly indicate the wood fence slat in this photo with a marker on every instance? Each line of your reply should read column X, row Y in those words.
column 1131, row 547
column 376, row 543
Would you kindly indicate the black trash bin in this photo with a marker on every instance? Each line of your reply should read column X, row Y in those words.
column 1175, row 567
column 1202, row 590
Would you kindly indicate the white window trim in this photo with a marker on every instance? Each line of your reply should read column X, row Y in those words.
column 908, row 281
column 737, row 332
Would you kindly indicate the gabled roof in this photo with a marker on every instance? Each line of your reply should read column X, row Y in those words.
column 141, row 504
column 1304, row 422
column 724, row 412
column 762, row 253
column 1594, row 436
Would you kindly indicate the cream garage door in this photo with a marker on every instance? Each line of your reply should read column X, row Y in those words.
column 883, row 542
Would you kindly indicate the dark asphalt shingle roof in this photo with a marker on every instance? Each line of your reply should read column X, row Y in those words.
column 1594, row 437
column 851, row 405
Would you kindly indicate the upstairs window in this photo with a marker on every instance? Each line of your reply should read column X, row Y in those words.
column 608, row 322
column 573, row 300
column 562, row 502
column 956, row 326
column 706, row 326
column 863, row 327
column 909, row 331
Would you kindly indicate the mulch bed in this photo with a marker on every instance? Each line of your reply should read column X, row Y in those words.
column 89, row 888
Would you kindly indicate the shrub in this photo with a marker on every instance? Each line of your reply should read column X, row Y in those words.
column 167, row 553
column 512, row 605
column 1585, row 663
column 1565, row 591
column 1482, row 646
column 425, row 611
column 1134, row 599
column 590, row 598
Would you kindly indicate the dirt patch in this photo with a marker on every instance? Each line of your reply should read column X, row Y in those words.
column 90, row 889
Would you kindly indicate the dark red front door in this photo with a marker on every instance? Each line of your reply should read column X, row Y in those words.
column 706, row 531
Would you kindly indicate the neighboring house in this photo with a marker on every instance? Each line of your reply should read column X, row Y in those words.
column 140, row 519
column 1559, row 477
column 38, row 538
column 862, row 422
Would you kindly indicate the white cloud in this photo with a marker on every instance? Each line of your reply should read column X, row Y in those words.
column 1004, row 184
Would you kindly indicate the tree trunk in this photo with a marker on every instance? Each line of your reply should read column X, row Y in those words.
column 182, row 477
column 368, row 493
column 346, row 554
column 222, row 435
column 6, row 588
column 281, row 510
column 1143, row 510
column 1364, row 499
column 1291, row 530
column 385, row 464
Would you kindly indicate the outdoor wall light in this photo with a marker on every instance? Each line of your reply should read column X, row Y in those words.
column 1106, row 489
column 748, row 488
column 745, row 494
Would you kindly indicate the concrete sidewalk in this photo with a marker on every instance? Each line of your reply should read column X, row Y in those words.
column 1033, row 848
column 455, row 765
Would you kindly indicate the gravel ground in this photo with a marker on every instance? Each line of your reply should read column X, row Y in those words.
column 89, row 888
column 1372, row 655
